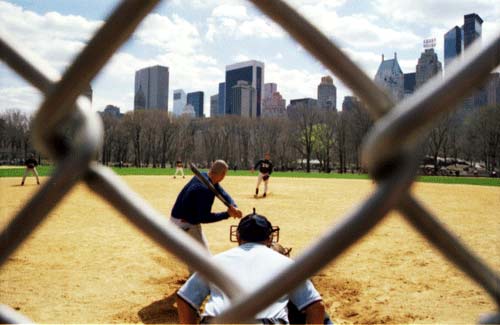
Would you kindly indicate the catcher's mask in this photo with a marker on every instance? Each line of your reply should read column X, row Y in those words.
column 254, row 228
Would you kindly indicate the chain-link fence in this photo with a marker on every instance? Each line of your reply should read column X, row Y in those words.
column 388, row 152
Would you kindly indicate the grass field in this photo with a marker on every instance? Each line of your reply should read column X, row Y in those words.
column 86, row 264
column 484, row 181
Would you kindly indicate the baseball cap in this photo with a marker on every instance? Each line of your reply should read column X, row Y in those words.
column 254, row 228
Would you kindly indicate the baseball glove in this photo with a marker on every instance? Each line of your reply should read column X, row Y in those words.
column 265, row 177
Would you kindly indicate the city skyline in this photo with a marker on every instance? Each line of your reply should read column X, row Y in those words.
column 196, row 40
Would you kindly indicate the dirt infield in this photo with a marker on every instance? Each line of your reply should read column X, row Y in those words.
column 86, row 264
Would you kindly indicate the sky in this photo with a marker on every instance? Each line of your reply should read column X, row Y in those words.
column 197, row 39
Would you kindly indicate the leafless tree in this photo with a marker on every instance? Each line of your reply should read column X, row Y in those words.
column 304, row 120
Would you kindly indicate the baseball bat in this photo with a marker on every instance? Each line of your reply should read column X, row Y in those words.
column 210, row 186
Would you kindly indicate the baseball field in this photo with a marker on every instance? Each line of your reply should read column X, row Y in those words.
column 87, row 264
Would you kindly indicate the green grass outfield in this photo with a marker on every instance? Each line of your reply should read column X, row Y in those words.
column 47, row 170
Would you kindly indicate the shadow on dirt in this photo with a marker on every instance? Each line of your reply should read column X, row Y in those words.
column 161, row 311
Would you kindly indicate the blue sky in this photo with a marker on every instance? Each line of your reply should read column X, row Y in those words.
column 196, row 39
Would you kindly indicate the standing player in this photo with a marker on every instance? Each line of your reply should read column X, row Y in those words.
column 265, row 167
column 194, row 203
column 179, row 168
column 31, row 164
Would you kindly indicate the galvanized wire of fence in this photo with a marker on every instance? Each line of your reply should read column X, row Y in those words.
column 388, row 152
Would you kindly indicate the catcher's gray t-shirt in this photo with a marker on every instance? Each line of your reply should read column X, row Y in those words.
column 252, row 265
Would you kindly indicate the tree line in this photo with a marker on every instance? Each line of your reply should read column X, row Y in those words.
column 307, row 138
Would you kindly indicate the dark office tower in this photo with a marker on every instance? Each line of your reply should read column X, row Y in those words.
column 327, row 94
column 493, row 89
column 195, row 99
column 214, row 101
column 250, row 71
column 88, row 93
column 471, row 32
column 151, row 88
column 409, row 83
column 427, row 67
column 221, row 101
column 472, row 29
column 350, row 104
column 452, row 45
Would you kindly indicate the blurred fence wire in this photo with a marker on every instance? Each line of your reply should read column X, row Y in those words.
column 389, row 152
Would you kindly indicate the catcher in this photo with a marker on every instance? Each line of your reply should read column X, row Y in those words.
column 265, row 167
column 254, row 263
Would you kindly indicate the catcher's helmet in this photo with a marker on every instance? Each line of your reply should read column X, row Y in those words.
column 255, row 228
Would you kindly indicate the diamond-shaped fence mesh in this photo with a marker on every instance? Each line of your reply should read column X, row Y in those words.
column 388, row 152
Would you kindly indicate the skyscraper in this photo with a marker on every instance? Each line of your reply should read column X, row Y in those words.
column 409, row 83
column 250, row 71
column 221, row 101
column 273, row 103
column 472, row 29
column 180, row 101
column 151, row 88
column 390, row 78
column 302, row 103
column 244, row 99
column 327, row 94
column 269, row 89
column 274, row 106
column 214, row 101
column 427, row 67
column 453, row 45
column 472, row 32
column 493, row 89
column 350, row 104
column 195, row 99
column 88, row 93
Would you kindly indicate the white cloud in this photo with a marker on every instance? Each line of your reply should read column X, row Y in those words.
column 54, row 37
column 241, row 57
column 24, row 98
column 230, row 10
column 329, row 4
column 293, row 83
column 357, row 31
column 366, row 60
column 170, row 34
column 443, row 13
column 234, row 21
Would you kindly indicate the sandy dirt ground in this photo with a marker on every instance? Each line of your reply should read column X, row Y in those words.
column 87, row 264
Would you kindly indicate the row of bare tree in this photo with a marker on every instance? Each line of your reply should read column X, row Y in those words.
column 307, row 138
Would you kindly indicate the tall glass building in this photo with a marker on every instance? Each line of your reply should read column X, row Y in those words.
column 221, row 101
column 472, row 29
column 180, row 101
column 250, row 71
column 196, row 100
column 214, row 103
column 151, row 88
column 453, row 45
